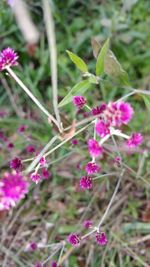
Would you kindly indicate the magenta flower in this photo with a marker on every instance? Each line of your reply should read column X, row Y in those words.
column 8, row 58
column 13, row 188
column 33, row 246
column 35, row 177
column 102, row 128
column 135, row 140
column 74, row 240
column 92, row 167
column 42, row 161
column 30, row 149
column 16, row 164
column 101, row 239
column 10, row 145
column 87, row 224
column 99, row 110
column 94, row 148
column 45, row 173
column 79, row 101
column 74, row 142
column 54, row 264
column 22, row 128
column 86, row 182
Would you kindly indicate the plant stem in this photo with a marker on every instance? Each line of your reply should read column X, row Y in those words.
column 28, row 92
column 50, row 29
column 111, row 200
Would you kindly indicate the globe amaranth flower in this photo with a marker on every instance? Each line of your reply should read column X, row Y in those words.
column 86, row 182
column 79, row 101
column 74, row 240
column 74, row 142
column 10, row 145
column 94, row 148
column 45, row 173
column 91, row 168
column 101, row 238
column 16, row 164
column 13, row 188
column 35, row 177
column 38, row 264
column 99, row 109
column 135, row 140
column 87, row 224
column 30, row 149
column 54, row 264
column 33, row 246
column 8, row 58
column 102, row 128
column 22, row 128
column 42, row 161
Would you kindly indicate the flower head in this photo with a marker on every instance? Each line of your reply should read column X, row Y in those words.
column 10, row 145
column 102, row 128
column 33, row 246
column 74, row 240
column 135, row 140
column 87, row 224
column 92, row 167
column 8, row 58
column 35, row 177
column 94, row 148
column 13, row 188
column 99, row 110
column 74, row 142
column 30, row 149
column 16, row 164
column 22, row 128
column 42, row 161
column 54, row 264
column 45, row 173
column 38, row 264
column 86, row 182
column 79, row 101
column 101, row 239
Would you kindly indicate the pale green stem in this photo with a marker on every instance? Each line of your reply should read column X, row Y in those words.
column 28, row 92
column 50, row 29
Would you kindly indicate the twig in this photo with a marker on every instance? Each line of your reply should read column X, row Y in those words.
column 49, row 23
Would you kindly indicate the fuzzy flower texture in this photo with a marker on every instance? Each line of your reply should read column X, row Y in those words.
column 13, row 188
column 8, row 58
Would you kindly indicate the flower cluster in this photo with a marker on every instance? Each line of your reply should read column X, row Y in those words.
column 41, row 174
column 13, row 187
column 8, row 58
column 75, row 240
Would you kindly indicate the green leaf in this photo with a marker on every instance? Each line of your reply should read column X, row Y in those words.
column 81, row 65
column 146, row 101
column 101, row 58
column 79, row 88
column 114, row 69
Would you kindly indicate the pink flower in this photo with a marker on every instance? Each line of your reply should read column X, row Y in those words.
column 94, row 148
column 8, row 58
column 13, row 188
column 92, row 167
column 102, row 129
column 42, row 161
column 135, row 140
column 22, row 128
column 99, row 110
column 86, row 182
column 10, row 145
column 54, row 264
column 101, row 239
column 74, row 240
column 79, row 101
column 33, row 246
column 35, row 177
column 46, row 174
column 87, row 224
column 30, row 149
column 16, row 164
column 74, row 142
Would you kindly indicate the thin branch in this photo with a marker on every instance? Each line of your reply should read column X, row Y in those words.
column 28, row 92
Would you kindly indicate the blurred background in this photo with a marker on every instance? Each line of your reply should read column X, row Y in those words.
column 53, row 209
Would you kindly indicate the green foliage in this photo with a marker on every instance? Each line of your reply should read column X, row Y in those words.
column 78, row 61
column 101, row 59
